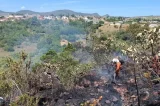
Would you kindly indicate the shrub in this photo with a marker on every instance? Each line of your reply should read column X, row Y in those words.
column 9, row 48
column 25, row 100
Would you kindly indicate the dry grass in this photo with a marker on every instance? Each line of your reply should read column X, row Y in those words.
column 4, row 53
column 30, row 48
column 112, row 28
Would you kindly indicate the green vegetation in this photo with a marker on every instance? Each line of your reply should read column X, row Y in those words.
column 113, row 19
column 18, row 74
column 46, row 33
column 25, row 99
column 12, row 33
column 68, row 70
column 134, row 29
column 20, row 78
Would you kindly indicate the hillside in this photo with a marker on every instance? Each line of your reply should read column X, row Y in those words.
column 56, row 13
column 26, row 12
column 112, row 28
column 78, row 74
column 2, row 13
column 68, row 12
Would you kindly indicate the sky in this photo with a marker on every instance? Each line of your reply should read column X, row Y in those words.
column 102, row 7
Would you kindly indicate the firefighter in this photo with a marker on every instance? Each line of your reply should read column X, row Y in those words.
column 117, row 64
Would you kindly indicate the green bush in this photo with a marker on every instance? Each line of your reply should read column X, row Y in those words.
column 25, row 100
column 67, row 68
column 9, row 48
column 103, row 38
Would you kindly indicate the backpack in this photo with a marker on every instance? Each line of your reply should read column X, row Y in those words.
column 121, row 61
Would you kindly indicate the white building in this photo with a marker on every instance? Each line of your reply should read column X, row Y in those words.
column 18, row 16
column 85, row 18
column 118, row 24
column 64, row 18
column 48, row 17
column 153, row 25
column 10, row 16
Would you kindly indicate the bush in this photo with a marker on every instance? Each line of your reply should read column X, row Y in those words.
column 9, row 48
column 101, row 22
column 122, row 35
column 48, row 56
column 67, row 69
column 103, row 38
column 25, row 100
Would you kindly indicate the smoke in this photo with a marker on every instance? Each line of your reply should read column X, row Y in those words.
column 47, row 36
column 83, row 56
column 107, row 70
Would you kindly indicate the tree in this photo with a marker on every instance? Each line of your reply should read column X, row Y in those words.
column 14, row 81
column 141, row 53
column 134, row 29
column 149, row 40
column 67, row 69
column 73, row 15
column 101, row 22
column 48, row 56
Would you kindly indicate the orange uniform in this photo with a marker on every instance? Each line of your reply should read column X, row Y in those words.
column 118, row 67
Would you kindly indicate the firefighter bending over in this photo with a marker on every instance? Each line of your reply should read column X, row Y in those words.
column 118, row 65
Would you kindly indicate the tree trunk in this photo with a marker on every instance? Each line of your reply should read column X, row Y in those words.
column 135, row 78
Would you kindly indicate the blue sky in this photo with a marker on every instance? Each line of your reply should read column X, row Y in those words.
column 111, row 7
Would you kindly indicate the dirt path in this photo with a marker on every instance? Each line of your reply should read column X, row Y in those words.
column 4, row 53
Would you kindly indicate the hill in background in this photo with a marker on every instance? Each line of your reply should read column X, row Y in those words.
column 55, row 13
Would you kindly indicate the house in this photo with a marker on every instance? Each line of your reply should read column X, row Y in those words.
column 143, row 21
column 85, row 18
column 142, row 25
column 29, row 16
column 118, row 24
column 18, row 17
column 134, row 22
column 95, row 20
column 53, row 18
column 48, row 17
column 154, row 21
column 10, row 16
column 106, row 23
column 41, row 17
column 153, row 25
column 64, row 18
column 72, row 18
column 58, row 17
column 3, row 19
